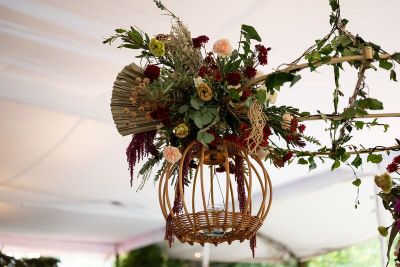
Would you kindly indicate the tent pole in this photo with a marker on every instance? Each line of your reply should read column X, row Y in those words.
column 206, row 256
column 381, row 221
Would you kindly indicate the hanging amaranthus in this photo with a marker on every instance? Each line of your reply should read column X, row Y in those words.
column 239, row 177
column 142, row 145
column 253, row 244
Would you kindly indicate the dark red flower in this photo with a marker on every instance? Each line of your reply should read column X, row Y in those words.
column 288, row 156
column 301, row 128
column 392, row 167
column 203, row 71
column 266, row 133
column 289, row 138
column 162, row 114
column 199, row 41
column 262, row 54
column 209, row 59
column 235, row 140
column 245, row 94
column 217, row 76
column 397, row 159
column 293, row 125
column 152, row 72
column 250, row 72
column 233, row 78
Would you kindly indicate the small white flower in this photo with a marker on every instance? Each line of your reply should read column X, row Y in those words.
column 198, row 81
column 271, row 98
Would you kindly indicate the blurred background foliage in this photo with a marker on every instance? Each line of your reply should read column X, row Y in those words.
column 362, row 255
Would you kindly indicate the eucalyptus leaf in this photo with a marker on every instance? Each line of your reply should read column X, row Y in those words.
column 183, row 109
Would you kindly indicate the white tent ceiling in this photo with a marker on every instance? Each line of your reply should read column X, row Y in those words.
column 63, row 177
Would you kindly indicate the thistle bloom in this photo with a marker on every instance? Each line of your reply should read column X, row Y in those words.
column 223, row 48
column 384, row 182
column 181, row 130
column 172, row 154
column 157, row 47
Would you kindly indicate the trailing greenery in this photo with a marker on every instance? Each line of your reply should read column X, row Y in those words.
column 8, row 261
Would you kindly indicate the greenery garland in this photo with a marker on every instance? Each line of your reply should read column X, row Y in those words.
column 211, row 96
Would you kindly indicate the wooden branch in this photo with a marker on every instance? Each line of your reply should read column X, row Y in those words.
column 335, row 60
column 339, row 117
column 353, row 152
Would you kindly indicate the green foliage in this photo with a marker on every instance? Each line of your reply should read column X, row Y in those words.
column 250, row 33
column 277, row 79
column 143, row 257
column 375, row 158
column 8, row 261
column 366, row 254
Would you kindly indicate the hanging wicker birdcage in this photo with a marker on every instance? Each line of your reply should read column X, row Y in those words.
column 189, row 204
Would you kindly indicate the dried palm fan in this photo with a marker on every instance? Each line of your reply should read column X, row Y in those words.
column 129, row 107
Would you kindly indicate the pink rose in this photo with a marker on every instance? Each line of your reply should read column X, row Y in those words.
column 222, row 47
column 172, row 154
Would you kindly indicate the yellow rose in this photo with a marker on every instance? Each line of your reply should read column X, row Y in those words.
column 384, row 182
column 204, row 92
column 157, row 47
column 181, row 130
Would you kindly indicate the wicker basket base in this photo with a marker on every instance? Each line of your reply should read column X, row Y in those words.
column 221, row 227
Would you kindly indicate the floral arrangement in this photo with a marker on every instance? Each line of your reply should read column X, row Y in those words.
column 201, row 95
column 187, row 92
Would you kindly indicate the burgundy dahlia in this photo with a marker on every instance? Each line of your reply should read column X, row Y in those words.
column 250, row 72
column 392, row 167
column 199, row 41
column 233, row 78
column 152, row 72
column 262, row 54
column 397, row 159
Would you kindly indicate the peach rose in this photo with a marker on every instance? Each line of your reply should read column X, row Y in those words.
column 286, row 120
column 172, row 154
column 222, row 47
